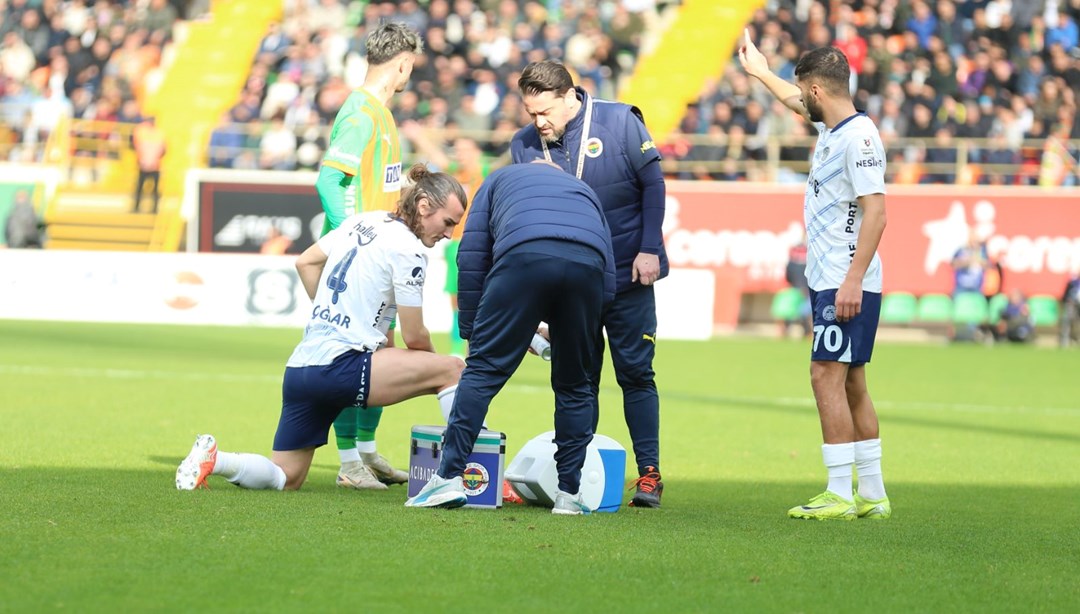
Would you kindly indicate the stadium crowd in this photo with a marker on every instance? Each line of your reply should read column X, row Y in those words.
column 933, row 72
column 473, row 55
column 964, row 91
column 84, row 59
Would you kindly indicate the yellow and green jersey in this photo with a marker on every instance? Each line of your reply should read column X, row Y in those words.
column 364, row 145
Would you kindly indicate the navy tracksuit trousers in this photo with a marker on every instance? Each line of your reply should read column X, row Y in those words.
column 630, row 322
column 558, row 282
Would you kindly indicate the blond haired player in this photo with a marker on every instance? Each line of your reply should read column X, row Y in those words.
column 361, row 171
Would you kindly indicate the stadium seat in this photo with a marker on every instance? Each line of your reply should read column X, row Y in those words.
column 898, row 308
column 934, row 309
column 997, row 303
column 786, row 304
column 970, row 308
column 1044, row 310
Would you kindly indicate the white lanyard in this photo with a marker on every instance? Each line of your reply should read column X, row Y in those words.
column 584, row 137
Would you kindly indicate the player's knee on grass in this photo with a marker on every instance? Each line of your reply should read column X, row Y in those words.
column 295, row 464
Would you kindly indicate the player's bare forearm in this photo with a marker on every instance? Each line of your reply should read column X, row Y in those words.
column 756, row 65
column 787, row 93
column 309, row 266
column 873, row 227
column 414, row 334
column 419, row 341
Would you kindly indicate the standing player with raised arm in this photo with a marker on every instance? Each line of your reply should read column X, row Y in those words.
column 844, row 209
column 361, row 171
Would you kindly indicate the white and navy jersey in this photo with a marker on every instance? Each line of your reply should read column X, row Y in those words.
column 849, row 162
column 374, row 264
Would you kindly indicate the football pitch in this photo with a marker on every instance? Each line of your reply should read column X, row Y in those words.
column 982, row 463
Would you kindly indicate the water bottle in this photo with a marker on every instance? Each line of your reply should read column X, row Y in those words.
column 541, row 346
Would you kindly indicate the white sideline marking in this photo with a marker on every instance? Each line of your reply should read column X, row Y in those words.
column 44, row 371
column 196, row 376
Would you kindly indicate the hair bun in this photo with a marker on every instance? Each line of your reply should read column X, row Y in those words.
column 418, row 172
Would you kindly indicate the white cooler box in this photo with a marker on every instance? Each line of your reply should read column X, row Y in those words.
column 533, row 474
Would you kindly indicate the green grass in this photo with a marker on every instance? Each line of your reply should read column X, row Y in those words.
column 981, row 461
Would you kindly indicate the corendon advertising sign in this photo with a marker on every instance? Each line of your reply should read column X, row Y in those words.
column 743, row 233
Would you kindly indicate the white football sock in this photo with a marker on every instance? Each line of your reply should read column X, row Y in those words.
column 227, row 465
column 250, row 471
column 349, row 455
column 839, row 457
column 868, row 467
column 446, row 402
column 363, row 447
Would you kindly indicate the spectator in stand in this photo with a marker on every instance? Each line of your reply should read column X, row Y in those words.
column 941, row 158
column 159, row 16
column 46, row 113
column 922, row 124
column 950, row 29
column 274, row 43
column 1064, row 33
column 277, row 148
column 16, row 58
column 35, row 34
column 228, row 140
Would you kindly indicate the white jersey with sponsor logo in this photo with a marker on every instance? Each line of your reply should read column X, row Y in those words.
column 374, row 263
column 849, row 162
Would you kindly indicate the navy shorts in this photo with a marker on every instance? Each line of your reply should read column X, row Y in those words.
column 312, row 397
column 850, row 342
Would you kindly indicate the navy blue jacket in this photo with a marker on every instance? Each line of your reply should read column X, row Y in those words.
column 617, row 150
column 521, row 203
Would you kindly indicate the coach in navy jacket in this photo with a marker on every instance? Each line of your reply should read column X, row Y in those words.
column 606, row 145
column 536, row 248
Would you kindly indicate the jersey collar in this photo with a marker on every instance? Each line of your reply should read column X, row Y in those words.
column 845, row 121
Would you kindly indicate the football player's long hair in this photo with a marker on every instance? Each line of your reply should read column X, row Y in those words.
column 436, row 187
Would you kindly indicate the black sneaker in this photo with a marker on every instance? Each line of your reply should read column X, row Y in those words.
column 649, row 489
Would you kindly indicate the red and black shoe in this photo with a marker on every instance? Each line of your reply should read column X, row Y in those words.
column 649, row 489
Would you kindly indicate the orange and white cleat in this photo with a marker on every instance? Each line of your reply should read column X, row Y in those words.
column 510, row 495
column 192, row 472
